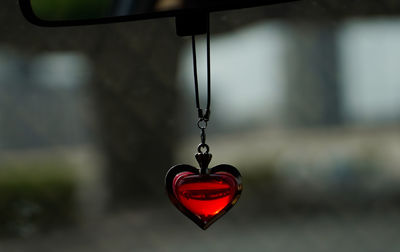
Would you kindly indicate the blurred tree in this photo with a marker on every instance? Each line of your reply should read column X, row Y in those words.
column 137, row 99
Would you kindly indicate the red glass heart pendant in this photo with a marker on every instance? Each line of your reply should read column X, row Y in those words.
column 204, row 196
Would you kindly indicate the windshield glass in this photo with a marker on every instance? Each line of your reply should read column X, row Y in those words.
column 305, row 104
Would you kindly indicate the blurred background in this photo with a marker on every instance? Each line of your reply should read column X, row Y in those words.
column 306, row 104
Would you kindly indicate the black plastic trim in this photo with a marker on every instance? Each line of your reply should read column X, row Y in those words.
column 194, row 23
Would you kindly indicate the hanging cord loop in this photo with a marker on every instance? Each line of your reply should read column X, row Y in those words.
column 203, row 114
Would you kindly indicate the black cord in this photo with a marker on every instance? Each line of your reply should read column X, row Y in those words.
column 196, row 80
column 208, row 70
column 203, row 115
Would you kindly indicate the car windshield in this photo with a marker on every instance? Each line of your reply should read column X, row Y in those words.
column 305, row 104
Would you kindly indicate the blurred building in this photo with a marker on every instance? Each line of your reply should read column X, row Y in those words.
column 42, row 100
column 280, row 74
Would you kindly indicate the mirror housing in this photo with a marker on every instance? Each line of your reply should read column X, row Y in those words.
column 192, row 15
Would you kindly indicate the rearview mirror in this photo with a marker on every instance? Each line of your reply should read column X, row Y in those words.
column 78, row 12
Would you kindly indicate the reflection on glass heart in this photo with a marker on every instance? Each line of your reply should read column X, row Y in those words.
column 205, row 195
column 203, row 198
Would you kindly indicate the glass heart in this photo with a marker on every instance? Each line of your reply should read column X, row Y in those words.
column 203, row 198
column 205, row 195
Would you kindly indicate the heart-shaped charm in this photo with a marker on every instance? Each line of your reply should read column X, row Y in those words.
column 204, row 195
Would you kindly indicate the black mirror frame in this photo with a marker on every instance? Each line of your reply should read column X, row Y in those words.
column 30, row 16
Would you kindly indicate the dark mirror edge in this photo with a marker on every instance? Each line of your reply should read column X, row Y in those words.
column 30, row 16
